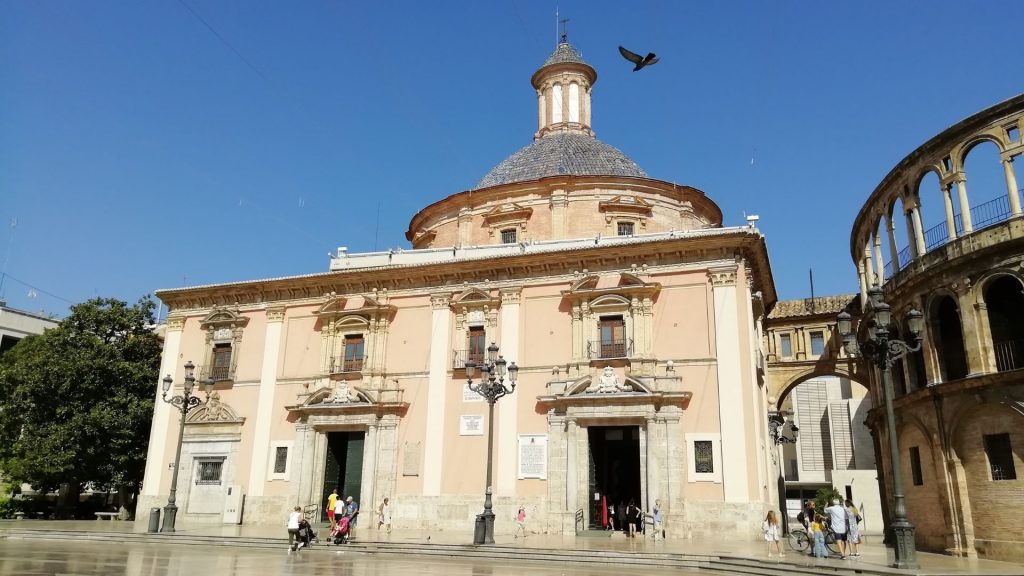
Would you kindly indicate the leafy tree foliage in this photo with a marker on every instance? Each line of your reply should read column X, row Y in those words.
column 76, row 402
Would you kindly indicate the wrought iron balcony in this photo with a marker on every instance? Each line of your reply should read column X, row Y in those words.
column 460, row 357
column 610, row 348
column 1009, row 354
column 342, row 365
column 215, row 373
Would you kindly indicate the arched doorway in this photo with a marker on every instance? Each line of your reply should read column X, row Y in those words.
column 1004, row 298
column 949, row 339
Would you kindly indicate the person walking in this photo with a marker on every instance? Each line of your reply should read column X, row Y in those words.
column 294, row 518
column 632, row 518
column 771, row 529
column 659, row 520
column 520, row 523
column 853, row 534
column 384, row 515
column 339, row 512
column 611, row 515
column 837, row 522
column 352, row 511
column 331, row 501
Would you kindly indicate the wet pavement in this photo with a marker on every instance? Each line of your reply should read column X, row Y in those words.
column 73, row 558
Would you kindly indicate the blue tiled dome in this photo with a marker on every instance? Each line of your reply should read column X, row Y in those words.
column 561, row 153
column 564, row 53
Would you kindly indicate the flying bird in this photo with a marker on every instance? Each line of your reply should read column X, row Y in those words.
column 637, row 59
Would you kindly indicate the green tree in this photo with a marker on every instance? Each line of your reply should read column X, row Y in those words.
column 824, row 497
column 76, row 402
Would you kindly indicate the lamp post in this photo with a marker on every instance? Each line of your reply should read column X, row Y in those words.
column 183, row 402
column 491, row 387
column 883, row 352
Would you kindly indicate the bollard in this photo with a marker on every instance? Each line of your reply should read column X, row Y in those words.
column 154, row 519
column 480, row 529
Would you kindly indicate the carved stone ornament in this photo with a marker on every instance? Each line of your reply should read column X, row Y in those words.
column 343, row 394
column 214, row 410
column 607, row 383
column 723, row 277
column 223, row 334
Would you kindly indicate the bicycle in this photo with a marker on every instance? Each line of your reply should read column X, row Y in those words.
column 800, row 541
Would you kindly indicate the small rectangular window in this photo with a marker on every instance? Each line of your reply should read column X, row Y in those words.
column 703, row 457
column 1000, row 456
column 1012, row 133
column 477, row 344
column 817, row 343
column 915, row 466
column 221, row 362
column 508, row 236
column 785, row 346
column 281, row 460
column 625, row 228
column 353, row 353
column 947, row 163
column 209, row 471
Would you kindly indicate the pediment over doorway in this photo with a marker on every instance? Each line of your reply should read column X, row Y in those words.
column 609, row 390
column 341, row 397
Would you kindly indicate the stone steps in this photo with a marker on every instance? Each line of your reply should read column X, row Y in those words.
column 712, row 562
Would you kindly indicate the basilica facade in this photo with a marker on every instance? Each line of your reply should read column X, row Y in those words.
column 633, row 314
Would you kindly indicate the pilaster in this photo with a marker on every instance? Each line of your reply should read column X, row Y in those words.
column 436, row 384
column 265, row 401
column 730, row 385
column 508, row 407
column 156, row 459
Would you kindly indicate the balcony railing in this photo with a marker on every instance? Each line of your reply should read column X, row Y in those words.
column 610, row 348
column 1009, row 355
column 982, row 216
column 460, row 357
column 341, row 365
column 215, row 373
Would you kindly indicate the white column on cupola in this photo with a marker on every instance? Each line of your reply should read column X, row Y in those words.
column 563, row 86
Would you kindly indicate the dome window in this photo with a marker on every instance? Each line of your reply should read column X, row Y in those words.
column 508, row 236
column 625, row 228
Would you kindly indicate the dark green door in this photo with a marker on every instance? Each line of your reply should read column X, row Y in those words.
column 343, row 470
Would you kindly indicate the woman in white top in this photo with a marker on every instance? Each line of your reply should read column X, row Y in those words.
column 293, row 528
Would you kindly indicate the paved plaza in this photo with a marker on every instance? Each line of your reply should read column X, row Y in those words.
column 59, row 547
column 49, row 557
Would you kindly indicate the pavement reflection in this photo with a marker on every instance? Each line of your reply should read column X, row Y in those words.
column 52, row 558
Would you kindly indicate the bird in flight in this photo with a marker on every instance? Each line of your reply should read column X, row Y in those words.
column 637, row 59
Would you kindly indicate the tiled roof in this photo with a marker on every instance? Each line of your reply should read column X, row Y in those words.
column 564, row 53
column 561, row 153
column 812, row 306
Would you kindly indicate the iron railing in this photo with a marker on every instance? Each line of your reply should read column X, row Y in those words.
column 983, row 216
column 341, row 364
column 622, row 348
column 460, row 357
column 1009, row 354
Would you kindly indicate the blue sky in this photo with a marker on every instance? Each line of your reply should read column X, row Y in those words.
column 158, row 143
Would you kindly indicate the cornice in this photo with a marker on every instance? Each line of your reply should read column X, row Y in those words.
column 451, row 277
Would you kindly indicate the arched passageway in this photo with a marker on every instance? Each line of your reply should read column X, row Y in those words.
column 1004, row 298
column 949, row 339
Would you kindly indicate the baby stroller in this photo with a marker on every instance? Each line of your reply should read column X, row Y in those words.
column 340, row 533
column 307, row 536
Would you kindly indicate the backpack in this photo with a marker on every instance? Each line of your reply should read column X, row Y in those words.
column 800, row 517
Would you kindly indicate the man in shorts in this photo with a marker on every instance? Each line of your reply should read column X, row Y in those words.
column 837, row 522
column 331, row 501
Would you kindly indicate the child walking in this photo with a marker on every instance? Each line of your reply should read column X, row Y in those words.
column 520, row 523
column 771, row 530
column 818, row 532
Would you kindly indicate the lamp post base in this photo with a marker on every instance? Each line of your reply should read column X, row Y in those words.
column 904, row 546
column 170, row 512
column 483, row 532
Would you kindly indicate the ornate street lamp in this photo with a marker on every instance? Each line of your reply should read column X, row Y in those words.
column 183, row 402
column 491, row 388
column 883, row 352
column 778, row 426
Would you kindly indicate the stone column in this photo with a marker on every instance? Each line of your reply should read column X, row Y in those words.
column 947, row 201
column 156, row 458
column 541, row 108
column 863, row 279
column 965, row 206
column 1011, row 186
column 976, row 356
column 869, row 266
column 557, row 471
column 730, row 384
column 300, row 485
column 656, row 460
column 436, row 383
column 265, row 402
column 915, row 215
column 894, row 253
column 368, row 489
column 879, row 261
column 571, row 472
column 465, row 222
column 508, row 407
column 911, row 239
column 961, row 505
